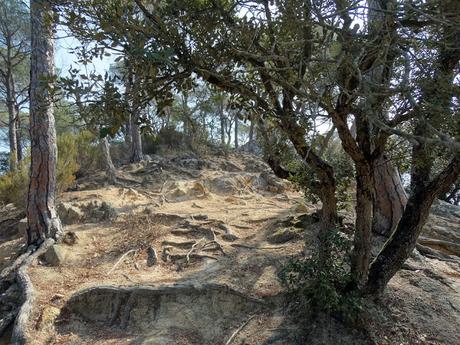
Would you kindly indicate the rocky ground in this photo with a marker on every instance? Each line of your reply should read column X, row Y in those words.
column 187, row 249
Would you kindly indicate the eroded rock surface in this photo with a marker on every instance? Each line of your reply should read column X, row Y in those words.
column 206, row 313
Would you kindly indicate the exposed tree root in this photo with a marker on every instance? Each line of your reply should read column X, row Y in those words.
column 23, row 279
column 16, row 264
column 184, row 245
column 177, row 257
column 238, row 330
column 7, row 320
column 121, row 259
column 187, row 256
column 240, row 245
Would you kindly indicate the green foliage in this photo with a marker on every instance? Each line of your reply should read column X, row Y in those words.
column 319, row 286
column 74, row 152
column 343, row 171
column 90, row 155
column 4, row 162
column 67, row 166
column 303, row 177
column 14, row 184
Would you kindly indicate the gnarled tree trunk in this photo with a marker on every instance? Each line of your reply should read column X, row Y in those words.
column 402, row 242
column 390, row 197
column 43, row 221
column 108, row 164
column 361, row 256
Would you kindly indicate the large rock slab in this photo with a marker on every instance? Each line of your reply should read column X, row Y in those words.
column 205, row 313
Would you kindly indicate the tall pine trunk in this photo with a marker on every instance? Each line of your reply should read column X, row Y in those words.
column 18, row 134
column 12, row 120
column 43, row 221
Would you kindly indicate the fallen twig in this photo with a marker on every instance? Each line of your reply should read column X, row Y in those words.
column 121, row 259
column 253, row 247
column 239, row 329
column 192, row 249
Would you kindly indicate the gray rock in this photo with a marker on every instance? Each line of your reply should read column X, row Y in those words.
column 444, row 209
column 70, row 238
column 70, row 214
column 229, row 237
column 152, row 257
column 54, row 256
column 22, row 227
column 284, row 235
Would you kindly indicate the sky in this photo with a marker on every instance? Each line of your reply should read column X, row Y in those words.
column 64, row 60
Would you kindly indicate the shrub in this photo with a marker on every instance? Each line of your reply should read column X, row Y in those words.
column 321, row 287
column 72, row 149
column 90, row 155
column 14, row 185
column 4, row 162
column 67, row 165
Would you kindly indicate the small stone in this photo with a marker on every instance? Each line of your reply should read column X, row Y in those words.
column 54, row 256
column 56, row 298
column 166, row 253
column 285, row 235
column 47, row 318
column 200, row 217
column 152, row 257
column 230, row 237
column 302, row 208
column 70, row 238
column 70, row 214
column 22, row 227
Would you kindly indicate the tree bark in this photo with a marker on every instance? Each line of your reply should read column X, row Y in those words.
column 236, row 131
column 43, row 221
column 136, row 154
column 222, row 122
column 251, row 131
column 108, row 164
column 12, row 118
column 361, row 256
column 390, row 197
column 136, row 142
column 402, row 242
column 326, row 187
column 18, row 134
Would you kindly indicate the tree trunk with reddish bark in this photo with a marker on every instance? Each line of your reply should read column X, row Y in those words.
column 43, row 221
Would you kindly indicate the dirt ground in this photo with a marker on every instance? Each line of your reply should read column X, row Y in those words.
column 221, row 229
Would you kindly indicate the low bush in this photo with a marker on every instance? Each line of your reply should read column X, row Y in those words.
column 74, row 151
column 14, row 185
column 317, row 287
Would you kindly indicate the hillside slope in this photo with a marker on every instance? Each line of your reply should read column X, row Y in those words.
column 187, row 249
